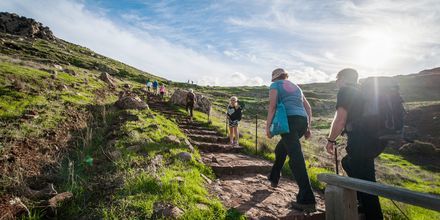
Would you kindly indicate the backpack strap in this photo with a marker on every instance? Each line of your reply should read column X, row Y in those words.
column 278, row 94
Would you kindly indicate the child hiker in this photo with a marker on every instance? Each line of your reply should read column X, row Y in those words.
column 234, row 116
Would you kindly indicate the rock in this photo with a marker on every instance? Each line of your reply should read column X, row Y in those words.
column 134, row 148
column 127, row 86
column 115, row 155
column 144, row 90
column 51, row 71
column 214, row 159
column 130, row 101
column 184, row 156
column 207, row 180
column 178, row 179
column 70, row 71
column 419, row 148
column 202, row 103
column 18, row 85
column 201, row 206
column 46, row 192
column 17, row 25
column 30, row 114
column 166, row 211
column 189, row 145
column 155, row 164
column 61, row 87
column 107, row 79
column 172, row 139
column 57, row 200
column 58, row 67
column 153, row 126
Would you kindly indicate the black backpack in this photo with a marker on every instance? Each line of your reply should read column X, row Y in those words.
column 383, row 112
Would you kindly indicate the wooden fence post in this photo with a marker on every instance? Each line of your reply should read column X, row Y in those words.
column 340, row 203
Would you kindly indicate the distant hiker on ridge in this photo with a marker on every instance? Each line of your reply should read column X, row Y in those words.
column 190, row 102
column 233, row 113
column 162, row 91
column 299, row 117
column 155, row 87
column 149, row 84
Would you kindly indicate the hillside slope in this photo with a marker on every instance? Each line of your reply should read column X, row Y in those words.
column 67, row 151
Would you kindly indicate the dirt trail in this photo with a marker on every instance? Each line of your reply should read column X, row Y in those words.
column 242, row 182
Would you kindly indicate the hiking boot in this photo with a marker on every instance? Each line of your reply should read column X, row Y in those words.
column 310, row 207
column 272, row 183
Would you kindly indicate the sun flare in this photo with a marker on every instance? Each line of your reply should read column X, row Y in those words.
column 376, row 49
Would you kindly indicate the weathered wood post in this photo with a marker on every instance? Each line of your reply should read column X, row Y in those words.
column 256, row 133
column 340, row 203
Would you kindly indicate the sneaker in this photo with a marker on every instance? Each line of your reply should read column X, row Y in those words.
column 311, row 207
column 272, row 183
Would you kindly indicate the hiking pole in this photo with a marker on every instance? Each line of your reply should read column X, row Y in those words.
column 336, row 160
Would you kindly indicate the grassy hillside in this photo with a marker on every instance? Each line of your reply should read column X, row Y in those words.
column 59, row 125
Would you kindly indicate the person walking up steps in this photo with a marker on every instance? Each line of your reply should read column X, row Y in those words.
column 162, row 91
column 149, row 84
column 364, row 125
column 190, row 102
column 234, row 116
column 299, row 116
column 155, row 87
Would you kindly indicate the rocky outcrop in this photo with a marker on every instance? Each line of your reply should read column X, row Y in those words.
column 203, row 104
column 108, row 79
column 419, row 148
column 22, row 26
column 130, row 101
column 166, row 211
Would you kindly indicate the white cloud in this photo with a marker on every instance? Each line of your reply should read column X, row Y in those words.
column 311, row 39
column 73, row 22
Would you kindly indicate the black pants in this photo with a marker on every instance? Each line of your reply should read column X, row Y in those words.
column 290, row 145
column 359, row 163
column 190, row 107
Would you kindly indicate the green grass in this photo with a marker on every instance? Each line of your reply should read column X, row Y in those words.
column 176, row 182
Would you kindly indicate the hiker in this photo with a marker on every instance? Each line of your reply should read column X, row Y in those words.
column 362, row 146
column 299, row 116
column 190, row 101
column 234, row 116
column 155, row 87
column 149, row 84
column 162, row 91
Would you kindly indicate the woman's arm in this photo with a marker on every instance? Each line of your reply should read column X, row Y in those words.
column 271, row 110
column 308, row 110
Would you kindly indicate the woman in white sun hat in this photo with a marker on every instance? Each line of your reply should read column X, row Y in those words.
column 299, row 116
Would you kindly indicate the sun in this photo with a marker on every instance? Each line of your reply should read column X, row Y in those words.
column 376, row 49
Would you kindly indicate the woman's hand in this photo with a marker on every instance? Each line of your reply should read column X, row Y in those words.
column 308, row 133
column 330, row 148
column 268, row 132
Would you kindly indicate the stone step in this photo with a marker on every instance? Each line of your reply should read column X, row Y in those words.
column 199, row 131
column 209, row 138
column 252, row 195
column 236, row 164
column 191, row 126
column 217, row 147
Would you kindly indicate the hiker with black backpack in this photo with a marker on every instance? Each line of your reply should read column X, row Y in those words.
column 367, row 114
column 190, row 102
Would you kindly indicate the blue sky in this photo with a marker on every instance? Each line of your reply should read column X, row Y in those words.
column 240, row 42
